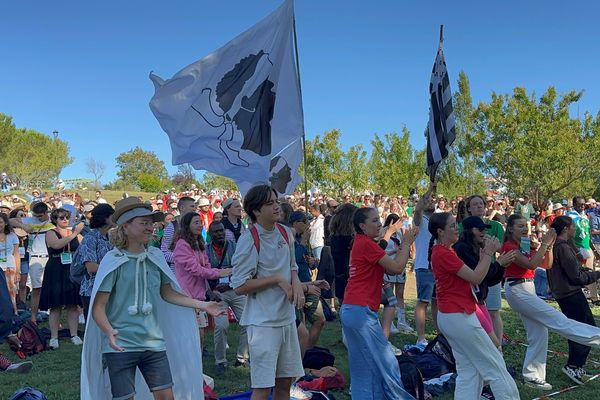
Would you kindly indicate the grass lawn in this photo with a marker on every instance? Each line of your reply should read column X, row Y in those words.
column 56, row 373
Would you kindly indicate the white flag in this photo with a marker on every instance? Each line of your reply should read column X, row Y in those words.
column 236, row 110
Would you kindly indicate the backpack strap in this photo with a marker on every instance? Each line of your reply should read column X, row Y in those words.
column 283, row 233
column 256, row 239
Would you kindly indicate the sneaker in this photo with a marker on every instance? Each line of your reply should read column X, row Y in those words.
column 393, row 329
column 220, row 369
column 241, row 364
column 397, row 351
column 404, row 327
column 53, row 344
column 573, row 373
column 538, row 384
column 20, row 368
column 81, row 319
column 76, row 340
column 4, row 363
column 583, row 372
column 422, row 342
column 296, row 393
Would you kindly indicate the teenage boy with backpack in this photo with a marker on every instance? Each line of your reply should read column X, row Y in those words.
column 264, row 269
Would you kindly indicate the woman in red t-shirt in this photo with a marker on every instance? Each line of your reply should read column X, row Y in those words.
column 537, row 315
column 374, row 371
column 477, row 359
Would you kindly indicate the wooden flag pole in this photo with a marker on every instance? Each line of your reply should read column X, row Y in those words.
column 303, row 133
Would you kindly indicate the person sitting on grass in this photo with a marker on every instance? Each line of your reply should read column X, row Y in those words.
column 139, row 320
column 6, row 317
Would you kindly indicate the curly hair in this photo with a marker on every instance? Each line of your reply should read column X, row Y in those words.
column 184, row 232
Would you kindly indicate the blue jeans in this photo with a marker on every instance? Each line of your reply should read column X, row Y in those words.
column 540, row 281
column 374, row 370
column 317, row 252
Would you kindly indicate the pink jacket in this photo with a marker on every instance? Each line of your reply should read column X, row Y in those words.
column 192, row 270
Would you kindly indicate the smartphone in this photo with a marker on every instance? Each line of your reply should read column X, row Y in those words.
column 525, row 245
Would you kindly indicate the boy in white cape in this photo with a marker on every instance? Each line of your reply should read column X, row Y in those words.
column 142, row 340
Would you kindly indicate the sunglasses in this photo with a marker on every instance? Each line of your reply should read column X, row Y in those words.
column 39, row 215
column 63, row 217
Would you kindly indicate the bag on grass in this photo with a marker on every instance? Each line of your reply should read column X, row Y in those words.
column 317, row 358
column 28, row 393
column 32, row 340
column 412, row 380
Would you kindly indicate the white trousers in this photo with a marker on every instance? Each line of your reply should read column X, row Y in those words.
column 477, row 359
column 538, row 316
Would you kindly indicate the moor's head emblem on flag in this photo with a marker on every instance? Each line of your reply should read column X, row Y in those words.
column 281, row 174
column 241, row 108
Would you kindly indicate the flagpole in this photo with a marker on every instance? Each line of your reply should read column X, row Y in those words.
column 303, row 133
column 441, row 36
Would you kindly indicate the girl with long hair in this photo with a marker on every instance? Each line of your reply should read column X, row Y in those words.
column 566, row 279
column 477, row 358
column 10, row 261
column 537, row 315
column 374, row 371
column 468, row 249
column 192, row 267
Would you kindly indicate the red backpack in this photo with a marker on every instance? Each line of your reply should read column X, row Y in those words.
column 32, row 341
column 256, row 238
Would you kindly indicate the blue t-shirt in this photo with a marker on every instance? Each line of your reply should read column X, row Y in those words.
column 303, row 268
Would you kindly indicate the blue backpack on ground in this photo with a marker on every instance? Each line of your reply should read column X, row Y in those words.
column 28, row 393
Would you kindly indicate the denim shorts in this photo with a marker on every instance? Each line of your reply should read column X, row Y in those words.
column 24, row 267
column 425, row 284
column 153, row 365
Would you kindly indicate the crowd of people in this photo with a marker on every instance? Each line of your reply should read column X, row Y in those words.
column 160, row 270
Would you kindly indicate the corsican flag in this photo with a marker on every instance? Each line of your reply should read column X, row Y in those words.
column 238, row 111
column 440, row 131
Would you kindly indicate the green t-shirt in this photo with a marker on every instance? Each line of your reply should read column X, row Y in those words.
column 582, row 230
column 137, row 332
column 497, row 231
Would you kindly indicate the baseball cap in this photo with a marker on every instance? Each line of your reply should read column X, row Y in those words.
column 475, row 222
column 297, row 216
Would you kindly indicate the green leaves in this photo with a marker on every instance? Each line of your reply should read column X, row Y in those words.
column 142, row 169
column 31, row 157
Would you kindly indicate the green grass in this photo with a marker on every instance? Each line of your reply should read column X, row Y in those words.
column 56, row 373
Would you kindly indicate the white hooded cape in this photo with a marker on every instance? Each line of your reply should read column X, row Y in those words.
column 180, row 332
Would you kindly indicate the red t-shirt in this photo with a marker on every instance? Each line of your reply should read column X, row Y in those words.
column 514, row 270
column 454, row 294
column 366, row 275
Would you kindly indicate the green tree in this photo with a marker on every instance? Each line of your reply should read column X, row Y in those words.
column 213, row 181
column 325, row 162
column 534, row 146
column 31, row 157
column 459, row 173
column 356, row 168
column 395, row 166
column 138, row 162
column 150, row 183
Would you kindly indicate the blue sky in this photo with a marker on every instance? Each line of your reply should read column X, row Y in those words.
column 81, row 68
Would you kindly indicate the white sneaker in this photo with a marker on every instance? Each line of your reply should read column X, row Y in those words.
column 404, row 327
column 538, row 384
column 422, row 342
column 393, row 329
column 81, row 319
column 76, row 340
column 296, row 393
column 397, row 351
column 53, row 343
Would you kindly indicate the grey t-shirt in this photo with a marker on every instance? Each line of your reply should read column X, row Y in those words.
column 137, row 332
column 269, row 307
